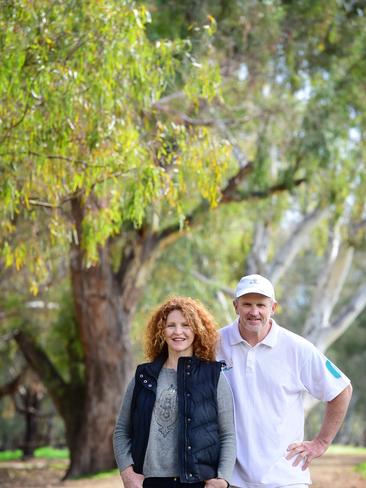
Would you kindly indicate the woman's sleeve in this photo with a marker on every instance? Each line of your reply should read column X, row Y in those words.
column 121, row 438
column 226, row 429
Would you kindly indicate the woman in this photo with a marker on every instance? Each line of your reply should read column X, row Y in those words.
column 175, row 427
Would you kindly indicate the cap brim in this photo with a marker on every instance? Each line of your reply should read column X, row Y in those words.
column 254, row 290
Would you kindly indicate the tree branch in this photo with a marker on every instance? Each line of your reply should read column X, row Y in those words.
column 287, row 253
column 271, row 190
column 344, row 319
column 11, row 387
column 42, row 365
column 171, row 233
column 329, row 286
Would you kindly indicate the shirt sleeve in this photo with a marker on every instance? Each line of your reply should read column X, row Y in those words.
column 321, row 378
column 226, row 429
column 121, row 438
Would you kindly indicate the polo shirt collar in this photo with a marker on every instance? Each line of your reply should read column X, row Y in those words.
column 270, row 339
column 235, row 337
column 272, row 336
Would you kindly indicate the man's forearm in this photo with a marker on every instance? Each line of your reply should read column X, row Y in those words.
column 335, row 412
column 304, row 452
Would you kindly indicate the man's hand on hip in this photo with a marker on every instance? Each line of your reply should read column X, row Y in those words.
column 306, row 451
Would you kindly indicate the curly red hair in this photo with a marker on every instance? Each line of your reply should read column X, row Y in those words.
column 198, row 318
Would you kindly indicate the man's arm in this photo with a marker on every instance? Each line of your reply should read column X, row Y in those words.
column 334, row 415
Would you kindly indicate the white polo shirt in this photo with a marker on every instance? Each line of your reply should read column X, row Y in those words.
column 268, row 382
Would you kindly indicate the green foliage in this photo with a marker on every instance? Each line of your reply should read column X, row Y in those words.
column 361, row 468
column 10, row 455
column 78, row 88
column 63, row 344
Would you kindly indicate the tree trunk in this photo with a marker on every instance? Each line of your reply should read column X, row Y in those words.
column 104, row 328
column 105, row 302
column 30, row 407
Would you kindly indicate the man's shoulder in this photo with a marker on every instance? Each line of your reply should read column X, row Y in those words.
column 296, row 340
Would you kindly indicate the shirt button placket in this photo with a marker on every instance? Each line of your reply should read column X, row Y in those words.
column 251, row 361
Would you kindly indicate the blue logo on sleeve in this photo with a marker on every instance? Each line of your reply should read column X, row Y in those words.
column 333, row 369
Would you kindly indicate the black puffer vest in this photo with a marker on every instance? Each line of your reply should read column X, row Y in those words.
column 199, row 446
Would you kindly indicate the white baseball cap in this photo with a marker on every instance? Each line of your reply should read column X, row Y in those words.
column 255, row 284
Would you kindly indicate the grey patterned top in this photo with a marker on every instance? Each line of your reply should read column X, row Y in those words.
column 161, row 458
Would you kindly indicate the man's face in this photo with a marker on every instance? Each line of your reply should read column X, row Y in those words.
column 255, row 313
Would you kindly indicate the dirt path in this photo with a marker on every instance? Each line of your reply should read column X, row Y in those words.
column 334, row 471
column 330, row 471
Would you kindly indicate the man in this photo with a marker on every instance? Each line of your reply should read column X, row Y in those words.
column 269, row 369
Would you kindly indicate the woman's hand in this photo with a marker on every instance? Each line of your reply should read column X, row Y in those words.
column 216, row 483
column 131, row 479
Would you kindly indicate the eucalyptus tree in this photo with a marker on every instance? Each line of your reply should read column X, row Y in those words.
column 87, row 169
column 292, row 106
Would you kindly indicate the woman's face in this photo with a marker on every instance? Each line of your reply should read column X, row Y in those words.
column 178, row 334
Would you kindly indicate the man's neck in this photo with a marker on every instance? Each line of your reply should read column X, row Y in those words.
column 252, row 337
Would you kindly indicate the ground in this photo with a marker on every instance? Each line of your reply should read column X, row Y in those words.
column 330, row 471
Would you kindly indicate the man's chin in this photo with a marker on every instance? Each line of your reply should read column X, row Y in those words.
column 255, row 325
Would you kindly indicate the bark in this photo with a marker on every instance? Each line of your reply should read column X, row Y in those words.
column 104, row 327
column 344, row 319
column 11, row 387
column 296, row 242
column 67, row 398
column 257, row 261
column 105, row 302
column 331, row 280
column 31, row 404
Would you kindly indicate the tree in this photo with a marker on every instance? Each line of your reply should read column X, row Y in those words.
column 297, row 69
column 87, row 167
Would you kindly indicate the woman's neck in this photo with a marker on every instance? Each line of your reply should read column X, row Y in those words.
column 172, row 360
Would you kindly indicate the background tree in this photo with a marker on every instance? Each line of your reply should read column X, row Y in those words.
column 85, row 169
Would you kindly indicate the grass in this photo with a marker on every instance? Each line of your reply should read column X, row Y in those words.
column 51, row 453
column 10, row 455
column 101, row 475
column 42, row 452
column 361, row 468
column 339, row 449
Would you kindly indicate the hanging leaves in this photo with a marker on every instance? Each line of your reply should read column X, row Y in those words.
column 78, row 88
